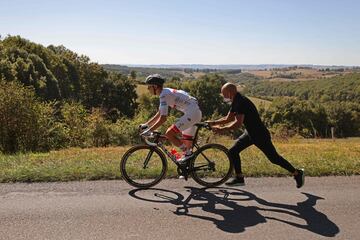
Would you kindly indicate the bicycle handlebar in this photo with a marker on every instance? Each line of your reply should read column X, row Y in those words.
column 149, row 143
column 152, row 135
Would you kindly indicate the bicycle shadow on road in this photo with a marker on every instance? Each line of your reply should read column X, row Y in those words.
column 235, row 218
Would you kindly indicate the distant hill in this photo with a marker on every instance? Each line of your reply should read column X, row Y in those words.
column 142, row 72
column 339, row 88
column 234, row 73
column 227, row 66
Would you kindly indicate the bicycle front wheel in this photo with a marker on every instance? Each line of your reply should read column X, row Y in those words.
column 211, row 165
column 143, row 166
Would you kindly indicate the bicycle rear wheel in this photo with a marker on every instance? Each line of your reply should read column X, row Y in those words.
column 211, row 165
column 143, row 166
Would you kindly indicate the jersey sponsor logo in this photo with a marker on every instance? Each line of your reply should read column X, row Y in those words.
column 179, row 125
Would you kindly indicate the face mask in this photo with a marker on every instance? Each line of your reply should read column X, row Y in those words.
column 227, row 100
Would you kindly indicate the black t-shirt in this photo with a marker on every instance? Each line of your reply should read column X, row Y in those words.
column 252, row 122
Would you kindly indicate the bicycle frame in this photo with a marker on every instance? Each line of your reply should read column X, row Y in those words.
column 202, row 165
column 158, row 143
column 171, row 156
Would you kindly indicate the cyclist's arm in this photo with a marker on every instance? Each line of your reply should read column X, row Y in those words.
column 161, row 116
column 153, row 119
column 160, row 120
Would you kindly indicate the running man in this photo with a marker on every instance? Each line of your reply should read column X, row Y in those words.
column 244, row 112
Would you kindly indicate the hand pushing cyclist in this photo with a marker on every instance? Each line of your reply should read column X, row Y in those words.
column 180, row 100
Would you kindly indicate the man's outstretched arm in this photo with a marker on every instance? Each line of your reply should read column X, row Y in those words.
column 229, row 118
column 236, row 123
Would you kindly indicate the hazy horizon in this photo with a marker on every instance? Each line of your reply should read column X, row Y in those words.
column 165, row 65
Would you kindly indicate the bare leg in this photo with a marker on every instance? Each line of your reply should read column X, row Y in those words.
column 173, row 137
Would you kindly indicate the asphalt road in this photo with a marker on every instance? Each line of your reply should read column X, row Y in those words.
column 266, row 208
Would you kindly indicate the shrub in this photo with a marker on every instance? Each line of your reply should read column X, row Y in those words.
column 26, row 124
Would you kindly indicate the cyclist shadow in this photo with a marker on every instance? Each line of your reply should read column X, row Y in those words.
column 235, row 218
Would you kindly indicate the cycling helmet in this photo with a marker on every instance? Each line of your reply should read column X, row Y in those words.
column 155, row 79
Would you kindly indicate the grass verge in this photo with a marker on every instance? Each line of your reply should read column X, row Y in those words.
column 318, row 157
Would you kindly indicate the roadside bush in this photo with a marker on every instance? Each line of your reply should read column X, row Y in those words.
column 26, row 124
column 99, row 127
column 125, row 130
column 75, row 121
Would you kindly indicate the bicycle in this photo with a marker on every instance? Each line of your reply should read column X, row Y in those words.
column 144, row 166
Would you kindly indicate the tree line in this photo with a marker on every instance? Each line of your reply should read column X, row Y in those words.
column 288, row 116
column 51, row 98
column 312, row 108
column 58, row 74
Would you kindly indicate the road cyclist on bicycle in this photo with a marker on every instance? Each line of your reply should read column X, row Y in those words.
column 185, row 125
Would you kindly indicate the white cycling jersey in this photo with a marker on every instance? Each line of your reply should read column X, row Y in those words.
column 177, row 99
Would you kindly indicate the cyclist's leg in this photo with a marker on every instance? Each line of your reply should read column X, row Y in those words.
column 187, row 137
column 185, row 122
column 188, row 134
column 172, row 134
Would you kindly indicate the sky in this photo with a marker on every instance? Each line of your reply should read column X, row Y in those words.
column 322, row 32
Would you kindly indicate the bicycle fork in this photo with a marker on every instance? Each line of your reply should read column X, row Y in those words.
column 147, row 159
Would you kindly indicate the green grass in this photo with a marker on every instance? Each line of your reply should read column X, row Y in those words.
column 318, row 157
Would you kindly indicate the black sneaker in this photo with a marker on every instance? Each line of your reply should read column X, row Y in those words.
column 300, row 178
column 236, row 181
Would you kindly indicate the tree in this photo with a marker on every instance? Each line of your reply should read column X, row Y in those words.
column 119, row 94
column 207, row 92
column 133, row 75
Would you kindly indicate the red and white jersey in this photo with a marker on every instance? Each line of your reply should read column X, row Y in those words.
column 177, row 99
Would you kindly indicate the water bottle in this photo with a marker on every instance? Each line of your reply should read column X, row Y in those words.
column 175, row 153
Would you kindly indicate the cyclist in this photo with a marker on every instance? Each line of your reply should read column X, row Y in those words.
column 180, row 100
column 243, row 111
